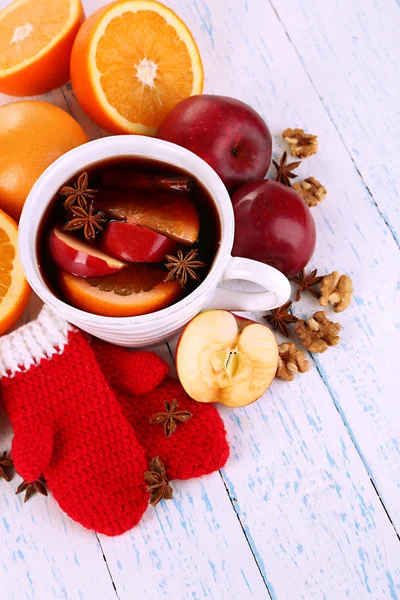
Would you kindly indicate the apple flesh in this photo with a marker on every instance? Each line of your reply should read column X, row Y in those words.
column 274, row 225
column 130, row 242
column 79, row 258
column 227, row 359
column 227, row 133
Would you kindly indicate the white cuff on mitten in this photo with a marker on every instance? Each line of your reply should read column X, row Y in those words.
column 29, row 344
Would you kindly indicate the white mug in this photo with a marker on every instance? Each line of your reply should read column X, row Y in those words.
column 159, row 326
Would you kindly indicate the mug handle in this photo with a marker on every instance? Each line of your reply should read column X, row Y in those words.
column 251, row 270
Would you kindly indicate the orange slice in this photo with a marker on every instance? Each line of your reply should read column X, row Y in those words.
column 132, row 62
column 137, row 290
column 36, row 38
column 14, row 289
column 170, row 214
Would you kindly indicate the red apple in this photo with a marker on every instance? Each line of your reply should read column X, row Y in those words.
column 171, row 214
column 128, row 241
column 79, row 258
column 224, row 358
column 227, row 133
column 273, row 225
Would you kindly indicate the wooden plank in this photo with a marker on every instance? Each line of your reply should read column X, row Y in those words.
column 350, row 52
column 199, row 526
column 217, row 574
column 305, row 500
column 334, row 539
column 355, row 240
column 190, row 547
column 269, row 75
column 286, row 97
column 196, row 539
column 43, row 553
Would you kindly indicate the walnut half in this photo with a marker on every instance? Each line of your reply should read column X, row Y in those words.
column 311, row 190
column 291, row 361
column 336, row 289
column 318, row 333
column 301, row 144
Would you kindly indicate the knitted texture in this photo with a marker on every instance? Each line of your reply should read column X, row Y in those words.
column 198, row 447
column 69, row 427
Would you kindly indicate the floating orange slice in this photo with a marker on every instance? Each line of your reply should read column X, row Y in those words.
column 172, row 215
column 137, row 290
column 132, row 61
column 14, row 289
column 36, row 38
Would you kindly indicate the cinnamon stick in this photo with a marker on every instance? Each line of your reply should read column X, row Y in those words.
column 120, row 178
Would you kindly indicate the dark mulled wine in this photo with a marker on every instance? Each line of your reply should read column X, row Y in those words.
column 128, row 237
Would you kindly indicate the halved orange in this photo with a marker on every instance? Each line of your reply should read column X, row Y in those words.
column 136, row 290
column 36, row 38
column 131, row 63
column 14, row 289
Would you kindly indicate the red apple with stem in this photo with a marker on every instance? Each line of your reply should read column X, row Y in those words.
column 79, row 258
column 130, row 242
column 227, row 133
column 274, row 225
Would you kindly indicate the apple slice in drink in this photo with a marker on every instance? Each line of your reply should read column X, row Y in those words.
column 171, row 214
column 136, row 290
column 130, row 242
column 227, row 359
column 79, row 258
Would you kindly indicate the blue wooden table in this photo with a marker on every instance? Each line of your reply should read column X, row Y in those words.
column 308, row 506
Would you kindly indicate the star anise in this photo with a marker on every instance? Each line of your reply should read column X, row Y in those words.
column 280, row 318
column 284, row 172
column 306, row 283
column 157, row 482
column 5, row 464
column 79, row 192
column 181, row 266
column 171, row 417
column 30, row 489
column 87, row 220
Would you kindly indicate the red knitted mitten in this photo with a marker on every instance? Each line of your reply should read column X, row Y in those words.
column 198, row 446
column 69, row 427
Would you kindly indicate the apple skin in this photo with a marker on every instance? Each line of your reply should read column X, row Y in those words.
column 130, row 242
column 79, row 258
column 274, row 225
column 227, row 133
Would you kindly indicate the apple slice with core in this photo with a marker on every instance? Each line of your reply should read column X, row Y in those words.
column 79, row 258
column 136, row 290
column 130, row 242
column 171, row 214
column 227, row 359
